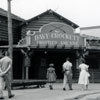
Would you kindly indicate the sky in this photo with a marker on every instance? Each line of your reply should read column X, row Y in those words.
column 84, row 13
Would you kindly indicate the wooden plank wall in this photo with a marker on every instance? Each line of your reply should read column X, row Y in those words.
column 36, row 23
column 4, row 30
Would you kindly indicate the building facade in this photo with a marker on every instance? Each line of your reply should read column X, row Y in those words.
column 92, row 35
column 50, row 38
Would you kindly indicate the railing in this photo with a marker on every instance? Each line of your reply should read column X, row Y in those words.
column 95, row 77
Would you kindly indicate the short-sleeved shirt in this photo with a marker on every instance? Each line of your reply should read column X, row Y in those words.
column 67, row 65
column 5, row 62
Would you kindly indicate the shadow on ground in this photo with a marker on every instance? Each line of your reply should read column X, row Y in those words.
column 84, row 95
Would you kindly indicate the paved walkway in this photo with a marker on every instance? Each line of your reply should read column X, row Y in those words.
column 57, row 94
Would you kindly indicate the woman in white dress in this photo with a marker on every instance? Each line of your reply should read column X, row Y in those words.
column 84, row 75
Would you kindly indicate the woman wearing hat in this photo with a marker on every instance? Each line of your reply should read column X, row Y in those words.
column 51, row 75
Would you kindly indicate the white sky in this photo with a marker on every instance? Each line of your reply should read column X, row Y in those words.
column 82, row 12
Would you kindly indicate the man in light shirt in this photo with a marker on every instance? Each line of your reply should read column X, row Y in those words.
column 6, row 63
column 67, row 69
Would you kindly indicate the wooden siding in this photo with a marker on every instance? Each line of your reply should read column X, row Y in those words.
column 4, row 30
column 36, row 23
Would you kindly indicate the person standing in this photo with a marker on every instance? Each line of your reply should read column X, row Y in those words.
column 1, row 84
column 51, row 75
column 67, row 69
column 6, row 63
column 84, row 75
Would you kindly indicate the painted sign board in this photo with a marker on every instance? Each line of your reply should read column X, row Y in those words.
column 53, row 34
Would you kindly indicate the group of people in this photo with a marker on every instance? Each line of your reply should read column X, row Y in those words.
column 5, row 74
column 67, row 71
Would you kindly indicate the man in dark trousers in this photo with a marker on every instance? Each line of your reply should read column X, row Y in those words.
column 67, row 69
column 6, row 63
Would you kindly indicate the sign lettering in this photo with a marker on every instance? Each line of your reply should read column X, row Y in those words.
column 56, row 34
column 55, row 39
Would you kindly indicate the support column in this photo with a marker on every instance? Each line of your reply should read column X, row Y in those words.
column 77, row 63
column 99, row 64
column 27, row 73
column 23, row 70
column 27, row 65
column 10, row 35
column 78, row 60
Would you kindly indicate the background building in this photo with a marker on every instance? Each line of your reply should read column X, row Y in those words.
column 16, row 21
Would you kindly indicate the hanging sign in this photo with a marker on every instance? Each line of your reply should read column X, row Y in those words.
column 53, row 34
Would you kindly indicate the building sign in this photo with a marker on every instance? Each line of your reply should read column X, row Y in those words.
column 93, row 44
column 53, row 34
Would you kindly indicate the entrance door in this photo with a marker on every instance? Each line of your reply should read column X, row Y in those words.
column 38, row 65
column 17, row 65
column 42, row 68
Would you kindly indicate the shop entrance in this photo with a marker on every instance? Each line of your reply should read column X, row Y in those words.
column 42, row 58
column 40, row 61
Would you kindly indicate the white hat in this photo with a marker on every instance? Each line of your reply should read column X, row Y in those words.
column 51, row 64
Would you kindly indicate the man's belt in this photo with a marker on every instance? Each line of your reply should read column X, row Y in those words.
column 67, row 70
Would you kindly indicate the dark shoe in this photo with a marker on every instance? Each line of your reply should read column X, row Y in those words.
column 51, row 88
column 1, row 97
column 70, row 89
column 12, row 95
column 64, row 89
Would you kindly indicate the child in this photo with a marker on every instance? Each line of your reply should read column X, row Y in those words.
column 51, row 75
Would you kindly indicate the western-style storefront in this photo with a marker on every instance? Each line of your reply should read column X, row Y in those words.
column 50, row 38
column 50, row 45
column 47, row 47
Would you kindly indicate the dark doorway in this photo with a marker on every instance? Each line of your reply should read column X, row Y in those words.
column 17, row 65
column 58, row 58
column 41, row 59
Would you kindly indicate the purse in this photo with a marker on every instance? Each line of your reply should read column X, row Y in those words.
column 88, row 74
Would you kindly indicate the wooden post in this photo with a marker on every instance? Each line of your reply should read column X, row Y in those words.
column 27, row 73
column 92, row 77
column 10, row 36
column 23, row 69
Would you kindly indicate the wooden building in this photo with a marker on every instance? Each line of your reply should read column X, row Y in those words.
column 49, row 38
column 92, row 31
column 16, row 21
column 92, row 35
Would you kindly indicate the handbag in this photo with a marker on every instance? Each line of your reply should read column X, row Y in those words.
column 88, row 74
